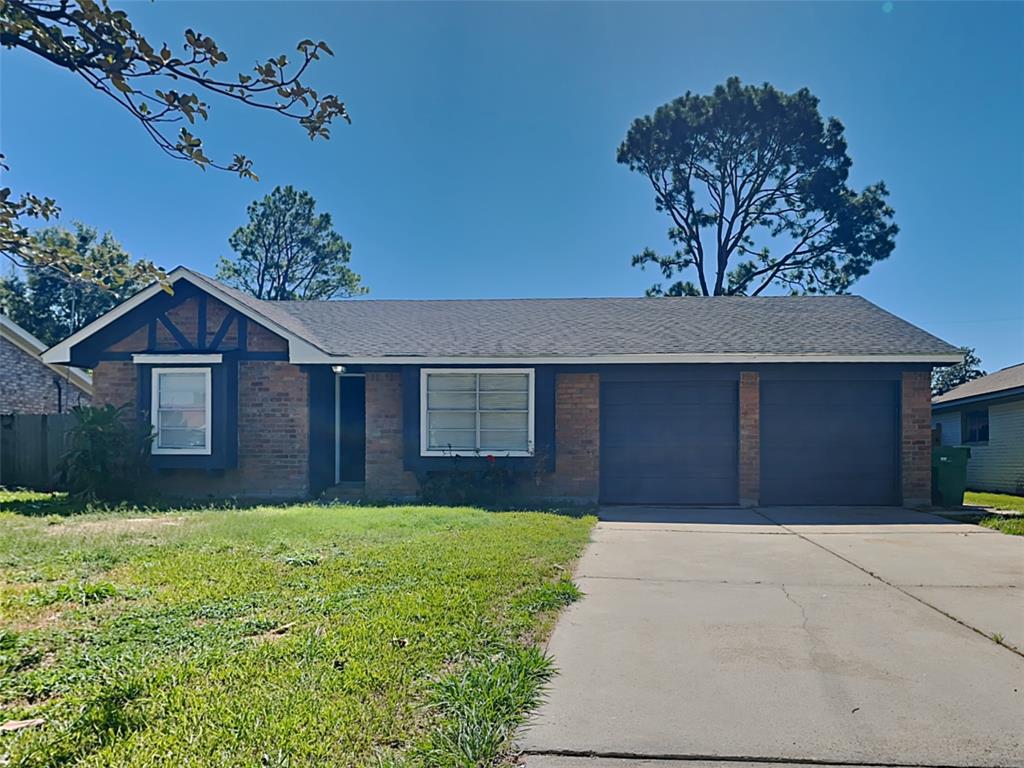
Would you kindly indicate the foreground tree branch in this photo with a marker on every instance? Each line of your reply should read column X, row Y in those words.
column 163, row 90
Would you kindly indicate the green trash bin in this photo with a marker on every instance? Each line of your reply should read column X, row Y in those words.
column 949, row 475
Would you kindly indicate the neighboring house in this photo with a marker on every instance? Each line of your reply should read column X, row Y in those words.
column 711, row 401
column 987, row 415
column 29, row 385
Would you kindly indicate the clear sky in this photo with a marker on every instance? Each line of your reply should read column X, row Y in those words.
column 481, row 160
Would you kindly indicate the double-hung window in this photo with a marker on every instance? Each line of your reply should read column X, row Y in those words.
column 476, row 412
column 181, row 411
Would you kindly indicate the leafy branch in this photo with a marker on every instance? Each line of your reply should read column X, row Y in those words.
column 163, row 90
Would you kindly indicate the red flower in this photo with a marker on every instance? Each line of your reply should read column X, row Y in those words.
column 490, row 459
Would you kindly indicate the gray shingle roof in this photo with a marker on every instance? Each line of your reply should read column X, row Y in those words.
column 804, row 325
column 769, row 325
column 1000, row 381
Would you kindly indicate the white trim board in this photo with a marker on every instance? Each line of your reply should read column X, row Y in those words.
column 169, row 359
column 631, row 359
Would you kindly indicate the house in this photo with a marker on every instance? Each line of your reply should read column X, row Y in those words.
column 987, row 415
column 30, row 385
column 709, row 401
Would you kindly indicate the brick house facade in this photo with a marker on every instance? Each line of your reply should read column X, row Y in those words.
column 272, row 406
column 916, row 437
column 27, row 384
column 688, row 429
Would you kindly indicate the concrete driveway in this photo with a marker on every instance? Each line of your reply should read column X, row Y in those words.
column 850, row 636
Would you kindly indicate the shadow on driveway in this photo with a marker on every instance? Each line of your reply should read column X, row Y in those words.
column 772, row 516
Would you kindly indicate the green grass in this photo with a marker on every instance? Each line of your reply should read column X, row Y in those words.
column 274, row 636
column 1013, row 525
column 1002, row 501
column 1009, row 524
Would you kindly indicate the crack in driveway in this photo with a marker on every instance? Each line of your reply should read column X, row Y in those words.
column 888, row 583
column 803, row 611
column 726, row 759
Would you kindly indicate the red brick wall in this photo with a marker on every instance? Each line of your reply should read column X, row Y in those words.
column 386, row 476
column 750, row 438
column 27, row 384
column 577, row 440
column 273, row 431
column 114, row 383
column 916, row 452
column 185, row 317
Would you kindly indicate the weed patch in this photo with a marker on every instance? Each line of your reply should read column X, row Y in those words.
column 481, row 708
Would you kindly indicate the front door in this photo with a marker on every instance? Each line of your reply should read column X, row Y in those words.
column 351, row 426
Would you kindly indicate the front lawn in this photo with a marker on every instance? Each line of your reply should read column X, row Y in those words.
column 1002, row 501
column 1011, row 524
column 274, row 636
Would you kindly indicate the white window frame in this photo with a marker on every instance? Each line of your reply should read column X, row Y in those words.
column 154, row 407
column 424, row 427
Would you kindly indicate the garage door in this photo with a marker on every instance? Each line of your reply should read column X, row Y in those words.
column 669, row 442
column 830, row 442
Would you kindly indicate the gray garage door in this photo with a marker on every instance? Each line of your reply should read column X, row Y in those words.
column 830, row 442
column 669, row 442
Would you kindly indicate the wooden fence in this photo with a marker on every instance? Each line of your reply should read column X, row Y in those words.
column 31, row 447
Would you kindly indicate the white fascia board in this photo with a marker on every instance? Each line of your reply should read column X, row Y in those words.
column 158, row 359
column 61, row 352
column 739, row 357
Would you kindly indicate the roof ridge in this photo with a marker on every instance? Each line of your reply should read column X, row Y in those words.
column 361, row 299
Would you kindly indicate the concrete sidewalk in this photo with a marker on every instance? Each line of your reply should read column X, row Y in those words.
column 851, row 636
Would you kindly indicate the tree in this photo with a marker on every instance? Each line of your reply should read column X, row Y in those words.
column 288, row 251
column 755, row 184
column 51, row 304
column 945, row 379
column 154, row 86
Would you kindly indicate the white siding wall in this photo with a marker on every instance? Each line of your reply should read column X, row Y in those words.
column 998, row 466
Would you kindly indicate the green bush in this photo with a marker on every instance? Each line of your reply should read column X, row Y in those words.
column 459, row 486
column 107, row 458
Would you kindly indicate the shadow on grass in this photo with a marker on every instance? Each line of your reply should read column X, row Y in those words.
column 61, row 504
column 57, row 503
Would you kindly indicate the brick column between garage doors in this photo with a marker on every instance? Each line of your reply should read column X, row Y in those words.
column 750, row 438
column 916, row 438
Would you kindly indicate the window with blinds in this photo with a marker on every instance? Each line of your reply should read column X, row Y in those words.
column 467, row 412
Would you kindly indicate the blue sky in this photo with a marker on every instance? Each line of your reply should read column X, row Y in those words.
column 481, row 160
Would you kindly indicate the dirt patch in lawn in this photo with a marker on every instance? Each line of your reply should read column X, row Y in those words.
column 114, row 525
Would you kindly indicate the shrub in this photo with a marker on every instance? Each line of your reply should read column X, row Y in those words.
column 461, row 486
column 107, row 455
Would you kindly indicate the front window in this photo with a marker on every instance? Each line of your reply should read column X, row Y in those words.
column 181, row 410
column 975, row 426
column 484, row 411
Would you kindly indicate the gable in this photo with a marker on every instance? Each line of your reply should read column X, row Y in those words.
column 192, row 319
